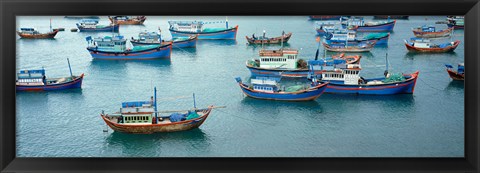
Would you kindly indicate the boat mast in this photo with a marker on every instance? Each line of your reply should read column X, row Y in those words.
column 194, row 104
column 51, row 24
column 155, row 104
column 69, row 67
column 386, row 63
column 318, row 48
column 226, row 22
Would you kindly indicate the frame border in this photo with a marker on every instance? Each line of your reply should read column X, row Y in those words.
column 9, row 9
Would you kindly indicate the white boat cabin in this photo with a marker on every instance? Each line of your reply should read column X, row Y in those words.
column 264, row 85
column 282, row 58
column 348, row 73
column 341, row 35
column 88, row 23
column 31, row 77
column 139, row 112
column 186, row 26
column 149, row 37
column 109, row 44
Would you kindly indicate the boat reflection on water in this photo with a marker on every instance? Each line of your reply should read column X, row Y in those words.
column 156, row 144
column 456, row 85
column 115, row 64
column 413, row 55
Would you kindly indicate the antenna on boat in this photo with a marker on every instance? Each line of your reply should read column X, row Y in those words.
column 194, row 103
column 263, row 37
column 283, row 33
column 155, row 104
column 69, row 67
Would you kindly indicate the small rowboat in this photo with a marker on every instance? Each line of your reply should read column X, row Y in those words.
column 265, row 40
column 430, row 32
column 125, row 20
column 269, row 90
column 456, row 75
column 142, row 117
column 32, row 34
column 424, row 45
column 362, row 47
column 35, row 80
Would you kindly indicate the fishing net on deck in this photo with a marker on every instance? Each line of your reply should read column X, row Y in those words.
column 302, row 63
column 294, row 88
column 394, row 77
column 253, row 63
column 192, row 115
column 375, row 35
column 140, row 48
column 213, row 29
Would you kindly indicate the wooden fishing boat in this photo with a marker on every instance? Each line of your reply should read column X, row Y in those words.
column 341, row 36
column 362, row 47
column 35, row 80
column 142, row 117
column 324, row 17
column 31, row 33
column 424, row 45
column 114, row 48
column 431, row 32
column 188, row 28
column 127, row 20
column 153, row 38
column 266, row 40
column 456, row 22
column 390, row 17
column 268, row 89
column 456, row 75
column 359, row 25
column 345, row 78
column 323, row 27
column 285, row 63
column 91, row 25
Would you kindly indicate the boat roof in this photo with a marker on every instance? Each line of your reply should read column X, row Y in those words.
column 89, row 21
column 110, row 38
column 423, row 40
column 136, row 104
column 278, row 52
column 27, row 29
column 263, row 81
column 327, row 61
column 186, row 22
column 31, row 74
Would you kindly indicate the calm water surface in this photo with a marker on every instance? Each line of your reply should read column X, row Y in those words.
column 429, row 123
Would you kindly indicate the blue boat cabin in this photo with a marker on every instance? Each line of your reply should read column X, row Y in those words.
column 265, row 85
column 31, row 77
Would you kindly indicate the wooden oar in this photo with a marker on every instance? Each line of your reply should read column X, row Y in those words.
column 172, row 111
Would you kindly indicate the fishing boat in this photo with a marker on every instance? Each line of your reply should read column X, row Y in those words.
column 285, row 63
column 324, row 17
column 456, row 22
column 153, row 38
column 359, row 25
column 34, row 34
column 342, row 47
column 425, row 45
column 266, row 40
column 456, row 75
column 390, row 17
column 188, row 28
column 342, row 35
column 91, row 25
column 345, row 78
column 142, row 117
column 269, row 89
column 431, row 32
column 115, row 48
column 36, row 80
column 127, row 20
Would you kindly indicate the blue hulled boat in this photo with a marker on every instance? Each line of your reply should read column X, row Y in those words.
column 456, row 22
column 35, row 80
column 285, row 63
column 115, row 48
column 91, row 25
column 359, row 25
column 342, row 35
column 345, row 78
column 269, row 89
column 188, row 28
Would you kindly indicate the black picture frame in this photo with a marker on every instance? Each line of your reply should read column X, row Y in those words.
column 9, row 9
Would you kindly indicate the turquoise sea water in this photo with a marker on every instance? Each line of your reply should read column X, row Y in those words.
column 428, row 123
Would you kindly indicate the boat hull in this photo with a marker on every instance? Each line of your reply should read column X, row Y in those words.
column 160, row 52
column 309, row 95
column 386, row 27
column 157, row 128
column 276, row 40
column 38, row 36
column 76, row 83
column 110, row 28
column 455, row 26
column 455, row 76
column 444, row 33
column 433, row 50
column 404, row 87
column 230, row 33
